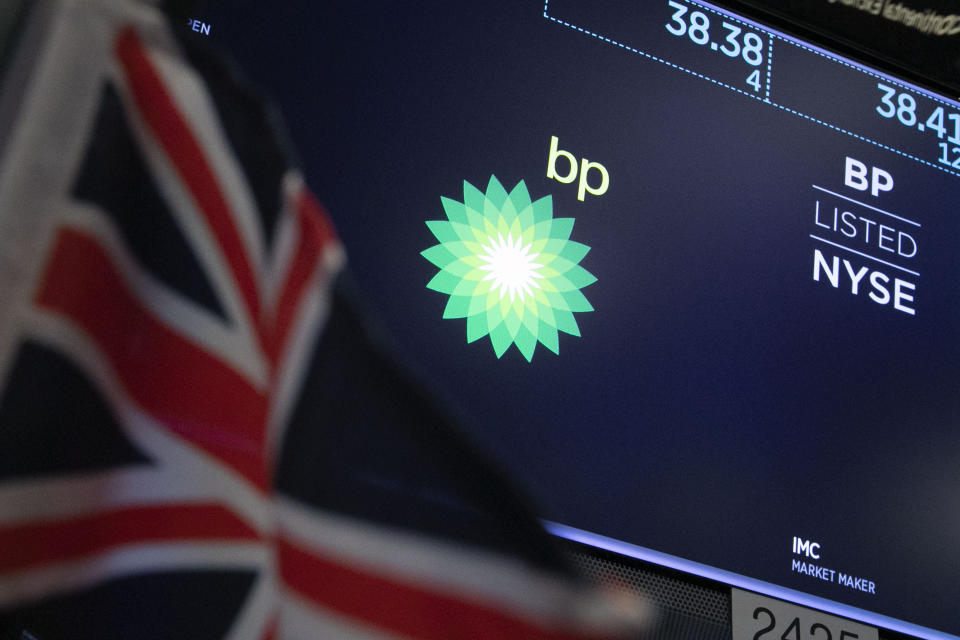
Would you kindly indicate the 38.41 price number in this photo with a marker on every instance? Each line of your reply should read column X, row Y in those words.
column 903, row 106
column 734, row 42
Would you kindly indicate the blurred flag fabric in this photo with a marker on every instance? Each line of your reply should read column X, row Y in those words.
column 199, row 438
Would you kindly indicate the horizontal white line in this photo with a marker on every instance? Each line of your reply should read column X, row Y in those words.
column 864, row 204
column 865, row 255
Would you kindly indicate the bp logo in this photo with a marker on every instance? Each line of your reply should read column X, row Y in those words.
column 509, row 268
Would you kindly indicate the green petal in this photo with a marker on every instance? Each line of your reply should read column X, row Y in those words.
column 456, row 211
column 439, row 255
column 557, row 301
column 516, row 229
column 442, row 230
column 473, row 274
column 501, row 339
column 561, row 228
column 580, row 277
column 520, row 197
column 548, row 337
column 518, row 308
column 493, row 298
column 465, row 232
column 526, row 342
column 457, row 307
column 473, row 198
column 464, row 287
column 512, row 322
column 577, row 302
column 461, row 269
column 547, row 319
column 484, row 288
column 548, row 246
column 531, row 323
column 531, row 306
column 476, row 328
column 529, row 236
column 471, row 257
column 496, row 194
column 503, row 305
column 525, row 218
column 494, row 317
column 508, row 212
column 476, row 225
column 556, row 264
column 466, row 251
column 478, row 306
column 556, row 281
column 574, row 251
column 567, row 323
column 543, row 209
column 443, row 282
column 541, row 230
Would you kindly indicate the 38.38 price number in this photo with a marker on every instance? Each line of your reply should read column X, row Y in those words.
column 734, row 42
column 903, row 106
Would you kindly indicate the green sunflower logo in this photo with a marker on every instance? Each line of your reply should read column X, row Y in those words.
column 509, row 268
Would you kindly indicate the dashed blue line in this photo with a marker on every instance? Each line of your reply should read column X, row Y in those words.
column 893, row 81
column 769, row 65
column 865, row 139
column 749, row 95
column 651, row 56
column 826, row 55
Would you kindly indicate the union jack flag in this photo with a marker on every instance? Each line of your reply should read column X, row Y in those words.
column 197, row 437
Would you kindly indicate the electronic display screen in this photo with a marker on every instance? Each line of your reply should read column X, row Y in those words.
column 693, row 282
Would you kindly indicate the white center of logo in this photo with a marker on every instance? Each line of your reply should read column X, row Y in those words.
column 511, row 266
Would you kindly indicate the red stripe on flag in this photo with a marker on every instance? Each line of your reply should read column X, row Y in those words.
column 33, row 545
column 173, row 133
column 407, row 609
column 177, row 382
column 315, row 234
column 316, row 217
column 270, row 631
